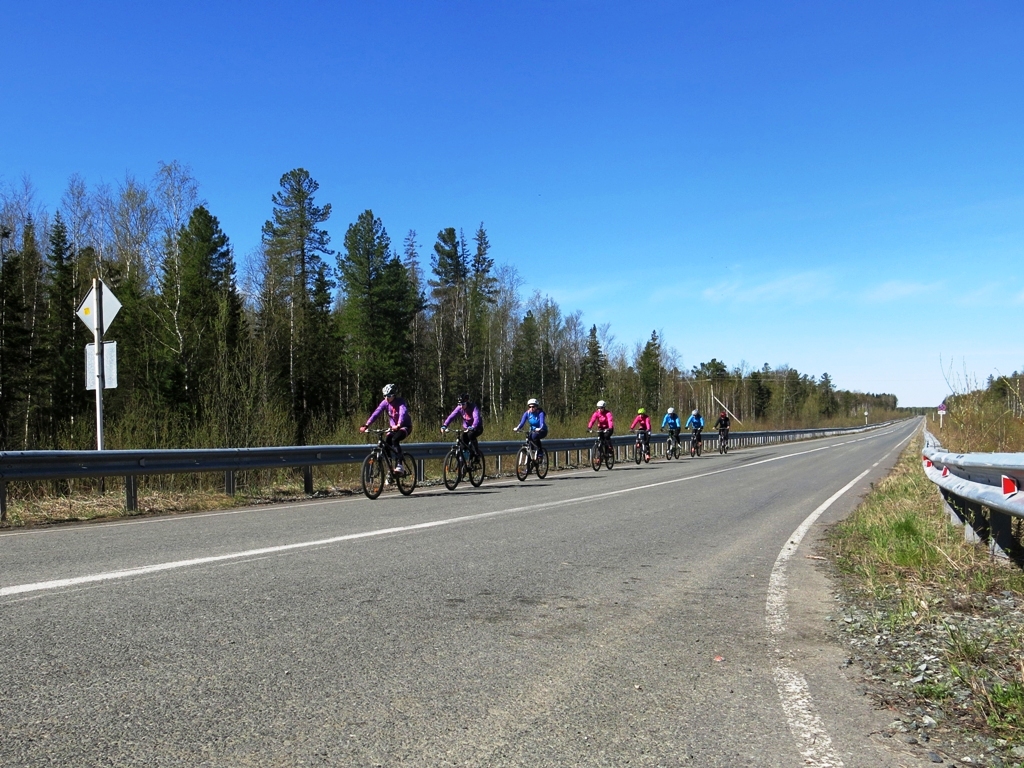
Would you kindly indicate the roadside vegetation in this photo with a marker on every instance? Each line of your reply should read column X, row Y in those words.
column 936, row 623
column 989, row 419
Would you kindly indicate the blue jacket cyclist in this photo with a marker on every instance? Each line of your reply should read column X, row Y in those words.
column 535, row 416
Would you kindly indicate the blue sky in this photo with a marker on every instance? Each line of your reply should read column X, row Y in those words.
column 834, row 186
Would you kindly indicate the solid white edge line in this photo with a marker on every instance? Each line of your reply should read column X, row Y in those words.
column 813, row 741
column 173, row 565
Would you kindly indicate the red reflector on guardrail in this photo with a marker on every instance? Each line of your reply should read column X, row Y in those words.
column 927, row 462
column 945, row 471
column 1009, row 486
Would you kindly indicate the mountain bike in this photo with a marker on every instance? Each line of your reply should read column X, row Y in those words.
column 462, row 462
column 530, row 458
column 379, row 469
column 723, row 441
column 640, row 451
column 602, row 451
column 672, row 446
column 696, row 443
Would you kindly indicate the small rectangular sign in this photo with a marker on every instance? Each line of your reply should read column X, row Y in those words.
column 109, row 365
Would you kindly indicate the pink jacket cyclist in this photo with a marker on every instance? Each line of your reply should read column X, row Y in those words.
column 602, row 418
column 642, row 421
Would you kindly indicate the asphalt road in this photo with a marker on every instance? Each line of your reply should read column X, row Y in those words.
column 610, row 618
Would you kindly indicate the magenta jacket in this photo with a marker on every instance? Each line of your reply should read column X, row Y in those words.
column 470, row 420
column 398, row 413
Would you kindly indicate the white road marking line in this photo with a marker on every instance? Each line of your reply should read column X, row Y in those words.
column 812, row 739
column 173, row 565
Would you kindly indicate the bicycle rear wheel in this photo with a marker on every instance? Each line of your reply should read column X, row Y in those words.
column 477, row 465
column 609, row 457
column 595, row 456
column 451, row 470
column 700, row 446
column 522, row 464
column 542, row 464
column 373, row 475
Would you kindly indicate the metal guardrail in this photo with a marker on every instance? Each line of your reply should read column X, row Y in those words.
column 60, row 465
column 971, row 482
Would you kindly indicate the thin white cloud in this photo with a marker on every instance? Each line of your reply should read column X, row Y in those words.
column 898, row 290
column 802, row 287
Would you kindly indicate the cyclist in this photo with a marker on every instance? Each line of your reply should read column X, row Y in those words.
column 672, row 423
column 538, row 427
column 472, row 423
column 399, row 422
column 605, row 422
column 696, row 423
column 642, row 423
column 722, row 425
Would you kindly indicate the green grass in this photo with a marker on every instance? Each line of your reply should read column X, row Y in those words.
column 900, row 554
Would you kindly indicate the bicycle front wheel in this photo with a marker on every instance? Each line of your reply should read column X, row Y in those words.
column 638, row 452
column 476, row 470
column 542, row 464
column 595, row 456
column 451, row 470
column 373, row 475
column 522, row 464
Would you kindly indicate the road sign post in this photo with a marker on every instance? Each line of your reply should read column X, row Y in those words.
column 97, row 312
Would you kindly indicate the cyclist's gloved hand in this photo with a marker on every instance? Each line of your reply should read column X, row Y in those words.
column 362, row 428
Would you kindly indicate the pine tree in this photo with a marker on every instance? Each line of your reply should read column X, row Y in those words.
column 295, row 246
column 649, row 371
column 14, row 344
column 380, row 302
column 592, row 370
column 63, row 338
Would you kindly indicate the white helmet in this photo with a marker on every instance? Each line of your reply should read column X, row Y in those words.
column 671, row 410
column 696, row 412
column 600, row 404
column 532, row 401
column 389, row 389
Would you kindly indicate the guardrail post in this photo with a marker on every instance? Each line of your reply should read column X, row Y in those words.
column 307, row 480
column 229, row 482
column 131, row 493
column 967, row 514
column 421, row 470
column 3, row 501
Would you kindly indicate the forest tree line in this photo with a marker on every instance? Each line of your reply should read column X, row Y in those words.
column 295, row 349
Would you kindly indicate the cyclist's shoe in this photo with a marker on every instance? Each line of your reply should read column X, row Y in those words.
column 400, row 470
column 647, row 457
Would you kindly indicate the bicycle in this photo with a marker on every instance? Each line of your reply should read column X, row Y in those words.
column 723, row 441
column 602, row 451
column 640, row 450
column 530, row 458
column 462, row 462
column 696, row 443
column 379, row 469
column 672, row 450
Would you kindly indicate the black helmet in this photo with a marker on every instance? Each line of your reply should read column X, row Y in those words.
column 464, row 398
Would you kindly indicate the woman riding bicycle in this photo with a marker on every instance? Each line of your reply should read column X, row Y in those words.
column 672, row 423
column 472, row 423
column 723, row 424
column 538, row 427
column 399, row 422
column 642, row 423
column 605, row 422
column 696, row 423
